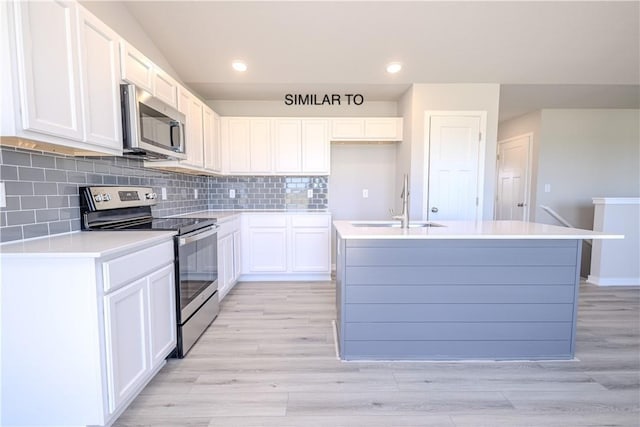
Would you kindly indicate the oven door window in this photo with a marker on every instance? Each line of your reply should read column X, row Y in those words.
column 198, row 264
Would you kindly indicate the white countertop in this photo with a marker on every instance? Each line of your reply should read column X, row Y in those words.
column 221, row 215
column 87, row 244
column 469, row 230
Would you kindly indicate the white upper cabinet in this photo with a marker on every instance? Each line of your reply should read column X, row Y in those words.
column 276, row 146
column 100, row 65
column 287, row 138
column 165, row 88
column 366, row 129
column 141, row 71
column 315, row 146
column 191, row 107
column 211, row 140
column 136, row 68
column 48, row 72
column 62, row 73
column 248, row 145
column 260, row 146
column 236, row 134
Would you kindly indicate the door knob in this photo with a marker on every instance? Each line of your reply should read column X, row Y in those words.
column 434, row 209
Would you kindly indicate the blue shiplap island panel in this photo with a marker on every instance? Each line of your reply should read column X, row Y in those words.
column 457, row 299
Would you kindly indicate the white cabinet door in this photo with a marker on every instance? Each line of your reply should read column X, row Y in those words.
column 287, row 138
column 165, row 87
column 48, row 68
column 310, row 250
column 237, row 137
column 100, row 65
column 191, row 107
column 248, row 144
column 267, row 250
column 383, row 128
column 136, row 68
column 162, row 314
column 315, row 146
column 260, row 146
column 225, row 264
column 126, row 332
column 237, row 255
column 211, row 140
column 366, row 129
column 347, row 128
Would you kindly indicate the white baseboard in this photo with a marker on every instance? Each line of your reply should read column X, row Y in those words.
column 614, row 281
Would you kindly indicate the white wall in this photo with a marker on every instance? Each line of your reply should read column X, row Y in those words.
column 581, row 153
column 615, row 262
column 117, row 16
column 355, row 167
column 449, row 97
column 279, row 109
column 585, row 154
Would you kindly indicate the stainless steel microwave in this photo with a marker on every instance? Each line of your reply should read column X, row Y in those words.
column 152, row 129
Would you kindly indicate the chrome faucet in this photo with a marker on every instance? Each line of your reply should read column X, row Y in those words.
column 404, row 216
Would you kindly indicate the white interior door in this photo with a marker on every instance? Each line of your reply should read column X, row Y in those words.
column 454, row 166
column 513, row 178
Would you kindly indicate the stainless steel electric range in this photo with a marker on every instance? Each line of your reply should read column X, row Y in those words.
column 196, row 256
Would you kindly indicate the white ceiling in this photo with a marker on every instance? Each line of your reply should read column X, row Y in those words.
column 581, row 53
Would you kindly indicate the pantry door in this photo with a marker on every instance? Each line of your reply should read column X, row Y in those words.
column 455, row 161
column 514, row 156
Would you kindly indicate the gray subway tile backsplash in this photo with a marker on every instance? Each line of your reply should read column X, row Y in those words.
column 42, row 190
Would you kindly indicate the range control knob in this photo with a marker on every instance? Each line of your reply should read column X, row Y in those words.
column 98, row 198
column 106, row 197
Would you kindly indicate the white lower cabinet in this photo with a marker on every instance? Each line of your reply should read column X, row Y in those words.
column 267, row 250
column 229, row 245
column 126, row 329
column 281, row 246
column 162, row 300
column 306, row 251
column 96, row 332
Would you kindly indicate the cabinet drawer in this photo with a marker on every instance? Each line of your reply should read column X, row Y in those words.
column 310, row 220
column 122, row 270
column 278, row 220
column 225, row 229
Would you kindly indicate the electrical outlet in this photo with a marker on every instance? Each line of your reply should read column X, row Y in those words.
column 163, row 193
column 547, row 188
column 232, row 194
column 365, row 193
column 195, row 193
column 3, row 196
column 310, row 193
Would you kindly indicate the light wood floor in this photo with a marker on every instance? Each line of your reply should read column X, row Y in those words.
column 269, row 360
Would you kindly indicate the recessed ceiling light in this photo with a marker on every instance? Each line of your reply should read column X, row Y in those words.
column 239, row 66
column 394, row 67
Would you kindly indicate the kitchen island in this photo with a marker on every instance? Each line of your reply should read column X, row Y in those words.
column 458, row 290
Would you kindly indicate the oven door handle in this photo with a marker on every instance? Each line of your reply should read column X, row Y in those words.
column 198, row 235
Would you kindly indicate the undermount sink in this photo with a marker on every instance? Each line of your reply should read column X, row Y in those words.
column 394, row 224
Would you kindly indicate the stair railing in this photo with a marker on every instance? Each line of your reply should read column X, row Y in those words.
column 561, row 220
